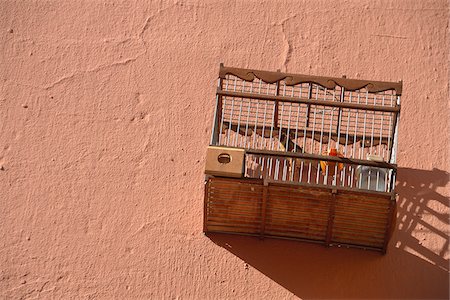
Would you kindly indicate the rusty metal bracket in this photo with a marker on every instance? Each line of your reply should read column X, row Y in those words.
column 331, row 217
column 263, row 208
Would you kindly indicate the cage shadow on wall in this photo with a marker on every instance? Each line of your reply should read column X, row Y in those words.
column 303, row 157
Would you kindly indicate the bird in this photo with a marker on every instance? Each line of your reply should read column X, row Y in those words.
column 330, row 164
column 287, row 144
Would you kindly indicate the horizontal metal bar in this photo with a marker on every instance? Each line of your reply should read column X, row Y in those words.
column 355, row 138
column 337, row 159
column 328, row 187
column 394, row 109
column 299, row 239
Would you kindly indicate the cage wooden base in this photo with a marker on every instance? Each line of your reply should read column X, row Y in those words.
column 328, row 215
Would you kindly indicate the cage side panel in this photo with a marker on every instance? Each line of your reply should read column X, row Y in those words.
column 297, row 212
column 361, row 219
column 233, row 205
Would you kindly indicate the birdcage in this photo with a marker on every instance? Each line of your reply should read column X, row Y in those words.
column 303, row 157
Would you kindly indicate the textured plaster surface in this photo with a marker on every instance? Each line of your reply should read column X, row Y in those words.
column 105, row 113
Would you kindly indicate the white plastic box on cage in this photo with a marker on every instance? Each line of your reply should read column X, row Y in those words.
column 309, row 130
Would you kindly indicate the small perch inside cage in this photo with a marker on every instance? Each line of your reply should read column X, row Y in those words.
column 319, row 137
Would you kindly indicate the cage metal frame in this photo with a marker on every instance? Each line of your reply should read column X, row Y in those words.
column 241, row 91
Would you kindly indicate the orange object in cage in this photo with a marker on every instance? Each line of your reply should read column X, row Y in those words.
column 331, row 166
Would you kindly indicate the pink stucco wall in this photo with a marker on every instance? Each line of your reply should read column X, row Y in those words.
column 105, row 114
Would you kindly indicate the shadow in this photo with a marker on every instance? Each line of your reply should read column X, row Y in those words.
column 415, row 266
column 421, row 209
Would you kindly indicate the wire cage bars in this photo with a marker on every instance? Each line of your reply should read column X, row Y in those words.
column 310, row 131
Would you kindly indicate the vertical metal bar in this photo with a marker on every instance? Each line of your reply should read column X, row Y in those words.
column 335, row 174
column 338, row 139
column 390, row 130
column 308, row 106
column 239, row 118
column 355, row 140
column 378, row 180
column 263, row 146
column 352, row 176
column 217, row 114
column 248, row 117
column 369, row 179
column 346, row 139
column 373, row 127
column 321, row 136
column 303, row 149
column 280, row 126
column 277, row 92
column 325, row 179
column 274, row 119
column 223, row 115
column 231, row 115
column 255, row 145
column 393, row 152
column 283, row 175
column 313, row 144
column 277, row 162
column 338, row 130
column 347, row 129
column 214, row 132
column 341, row 99
column 261, row 161
column 361, row 156
column 381, row 130
column 289, row 124
column 265, row 160
column 323, row 124
column 287, row 142
column 263, row 208
column 300, row 94
column 296, row 137
column 330, row 130
column 356, row 127
column 274, row 123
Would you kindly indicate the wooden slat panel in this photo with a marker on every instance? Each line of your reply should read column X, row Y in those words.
column 236, row 217
column 360, row 220
column 232, row 229
column 343, row 231
column 295, row 221
column 305, row 230
column 353, row 239
column 233, row 209
column 301, row 234
column 304, row 206
column 232, row 222
column 274, row 215
column 298, row 212
column 359, row 223
column 227, row 201
column 233, row 206
column 293, row 211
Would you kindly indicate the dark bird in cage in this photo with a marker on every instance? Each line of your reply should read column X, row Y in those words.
column 288, row 144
